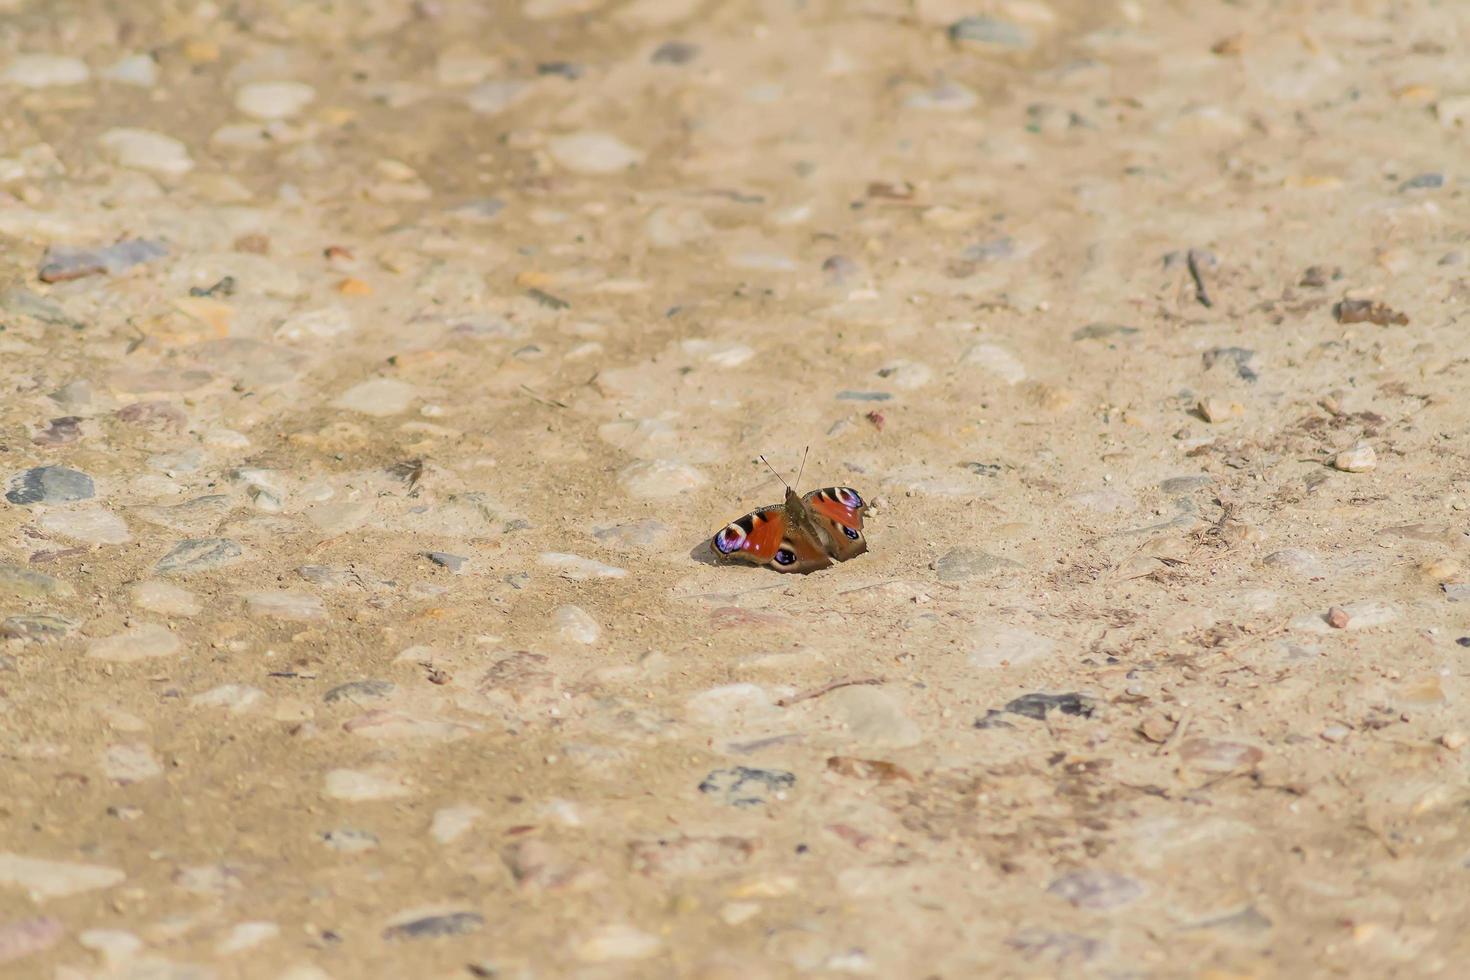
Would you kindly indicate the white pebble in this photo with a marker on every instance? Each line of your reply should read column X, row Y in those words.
column 247, row 935
column 114, row 945
column 236, row 698
column 135, row 643
column 130, row 762
column 1359, row 459
column 90, row 525
column 998, row 361
column 134, row 69
column 274, row 100
column 450, row 823
column 357, row 785
column 327, row 322
column 578, row 568
column 379, row 397
column 165, row 598
column 575, row 624
column 45, row 879
column 593, row 152
column 44, row 71
column 548, row 9
column 289, row 605
column 660, row 478
column 143, row 149
column 617, row 942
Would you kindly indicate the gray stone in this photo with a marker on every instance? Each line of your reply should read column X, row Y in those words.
column 455, row 563
column 1094, row 889
column 50, row 485
column 37, row 627
column 989, row 32
column 61, row 263
column 364, row 690
column 430, row 926
column 743, row 786
column 646, row 533
column 1185, row 484
column 18, row 582
column 965, row 562
column 199, row 554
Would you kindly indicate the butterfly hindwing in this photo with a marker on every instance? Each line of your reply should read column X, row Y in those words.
column 840, row 510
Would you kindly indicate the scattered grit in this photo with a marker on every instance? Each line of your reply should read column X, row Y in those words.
column 375, row 371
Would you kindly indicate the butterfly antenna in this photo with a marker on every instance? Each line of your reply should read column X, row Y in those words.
column 773, row 470
column 803, row 464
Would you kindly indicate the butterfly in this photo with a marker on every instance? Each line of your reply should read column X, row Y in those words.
column 802, row 534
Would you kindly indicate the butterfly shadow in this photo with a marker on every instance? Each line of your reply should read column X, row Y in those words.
column 703, row 553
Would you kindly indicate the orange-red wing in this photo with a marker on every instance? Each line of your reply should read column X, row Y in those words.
column 753, row 538
column 842, row 509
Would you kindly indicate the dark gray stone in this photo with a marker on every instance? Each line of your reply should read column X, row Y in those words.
column 365, row 690
column 50, row 485
column 675, row 53
column 746, row 787
column 455, row 563
column 991, row 32
column 430, row 926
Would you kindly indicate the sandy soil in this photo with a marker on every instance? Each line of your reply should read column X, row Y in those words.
column 357, row 618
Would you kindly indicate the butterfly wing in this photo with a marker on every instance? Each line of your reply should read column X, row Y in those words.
column 767, row 537
column 840, row 511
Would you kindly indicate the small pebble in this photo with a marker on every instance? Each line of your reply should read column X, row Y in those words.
column 199, row 554
column 287, row 604
column 453, row 822
column 274, row 100
column 23, row 937
column 144, row 149
column 130, row 763
column 992, row 33
column 1097, row 889
column 575, row 624
column 577, row 568
column 1216, row 410
column 1454, row 741
column 138, row 642
column 134, row 69
column 432, row 926
column 349, row 840
column 378, row 397
column 1359, row 459
column 616, row 943
column 660, row 478
column 1338, row 618
column 358, row 786
column 455, row 563
column 246, row 935
column 43, row 878
column 593, row 152
column 235, row 698
column 44, row 71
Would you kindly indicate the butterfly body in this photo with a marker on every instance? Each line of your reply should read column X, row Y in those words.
column 802, row 534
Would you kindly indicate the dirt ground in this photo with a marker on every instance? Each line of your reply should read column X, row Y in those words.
column 376, row 372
